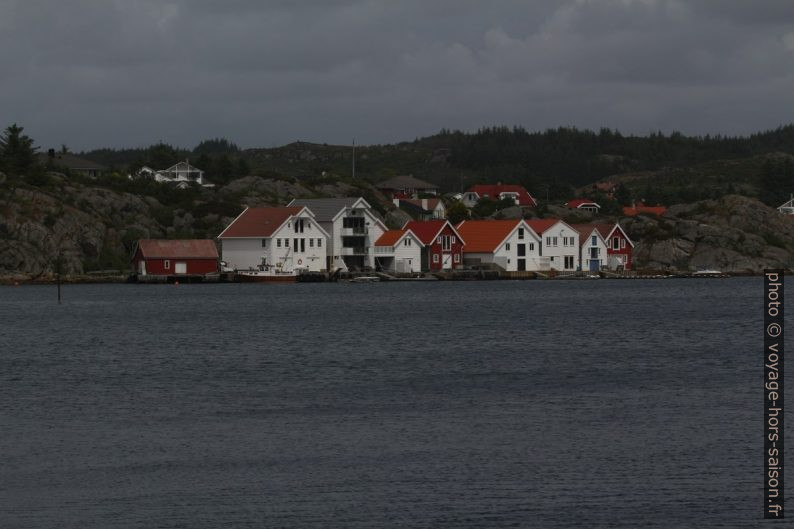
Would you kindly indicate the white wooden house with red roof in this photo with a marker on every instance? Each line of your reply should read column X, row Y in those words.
column 508, row 244
column 399, row 251
column 583, row 204
column 288, row 239
column 559, row 243
column 592, row 247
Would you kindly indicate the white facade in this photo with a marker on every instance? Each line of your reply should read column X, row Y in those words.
column 352, row 233
column 593, row 254
column 520, row 250
column 404, row 257
column 299, row 244
column 560, row 243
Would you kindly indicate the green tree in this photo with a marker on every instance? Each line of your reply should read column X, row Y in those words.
column 457, row 212
column 242, row 168
column 17, row 153
column 777, row 182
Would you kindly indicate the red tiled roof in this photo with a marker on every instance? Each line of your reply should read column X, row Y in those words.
column 426, row 230
column 493, row 191
column 606, row 229
column 389, row 238
column 541, row 225
column 585, row 230
column 577, row 202
column 483, row 236
column 178, row 249
column 636, row 210
column 259, row 222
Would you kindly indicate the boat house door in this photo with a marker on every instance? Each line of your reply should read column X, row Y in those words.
column 180, row 268
column 446, row 261
column 594, row 265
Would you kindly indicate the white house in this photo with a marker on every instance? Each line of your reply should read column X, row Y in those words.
column 559, row 242
column 592, row 247
column 422, row 208
column 182, row 174
column 352, row 226
column 399, row 251
column 787, row 208
column 509, row 244
column 286, row 238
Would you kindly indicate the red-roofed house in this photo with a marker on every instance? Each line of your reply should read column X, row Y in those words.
column 443, row 245
column 173, row 258
column 559, row 243
column 287, row 239
column 592, row 247
column 633, row 211
column 584, row 204
column 510, row 244
column 619, row 246
column 498, row 192
column 399, row 251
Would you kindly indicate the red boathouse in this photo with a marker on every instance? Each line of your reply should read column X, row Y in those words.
column 174, row 258
column 443, row 244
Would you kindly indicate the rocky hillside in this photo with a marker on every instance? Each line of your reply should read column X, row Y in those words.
column 733, row 234
column 93, row 226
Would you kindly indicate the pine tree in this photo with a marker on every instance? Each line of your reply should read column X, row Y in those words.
column 17, row 153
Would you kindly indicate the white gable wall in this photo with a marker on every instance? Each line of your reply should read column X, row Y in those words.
column 553, row 246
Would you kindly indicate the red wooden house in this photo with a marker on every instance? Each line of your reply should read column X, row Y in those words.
column 174, row 258
column 619, row 246
column 443, row 244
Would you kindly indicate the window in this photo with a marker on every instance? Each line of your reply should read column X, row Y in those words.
column 554, row 241
column 406, row 242
column 295, row 245
column 264, row 243
column 303, row 245
column 319, row 243
column 438, row 240
column 446, row 242
column 615, row 243
column 167, row 264
column 622, row 243
column 568, row 262
column 311, row 243
column 507, row 247
column 278, row 243
column 453, row 239
column 520, row 233
column 594, row 240
column 435, row 257
column 457, row 257
column 548, row 241
column 531, row 246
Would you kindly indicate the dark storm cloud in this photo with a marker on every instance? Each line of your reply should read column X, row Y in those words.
column 117, row 73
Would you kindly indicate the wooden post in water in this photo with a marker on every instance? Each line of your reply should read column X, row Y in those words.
column 58, row 275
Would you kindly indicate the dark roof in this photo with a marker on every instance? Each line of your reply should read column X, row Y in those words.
column 405, row 182
column 70, row 161
column 325, row 209
column 178, row 249
column 259, row 222
column 494, row 190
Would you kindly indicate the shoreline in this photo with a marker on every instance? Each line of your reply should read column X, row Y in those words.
column 85, row 279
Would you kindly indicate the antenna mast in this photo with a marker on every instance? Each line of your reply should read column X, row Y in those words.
column 354, row 158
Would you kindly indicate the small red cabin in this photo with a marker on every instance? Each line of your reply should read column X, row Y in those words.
column 619, row 246
column 443, row 244
column 185, row 257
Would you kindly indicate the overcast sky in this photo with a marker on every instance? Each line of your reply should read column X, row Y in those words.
column 130, row 73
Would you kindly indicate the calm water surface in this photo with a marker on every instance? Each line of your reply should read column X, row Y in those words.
column 472, row 404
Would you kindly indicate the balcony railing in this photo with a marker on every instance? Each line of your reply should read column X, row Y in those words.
column 354, row 250
column 357, row 230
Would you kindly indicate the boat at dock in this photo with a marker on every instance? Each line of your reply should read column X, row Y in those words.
column 365, row 279
column 264, row 276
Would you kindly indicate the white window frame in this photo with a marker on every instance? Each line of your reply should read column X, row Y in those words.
column 167, row 264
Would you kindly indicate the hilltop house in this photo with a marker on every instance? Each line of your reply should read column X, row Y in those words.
column 72, row 163
column 592, row 247
column 640, row 208
column 182, row 174
column 619, row 246
column 399, row 251
column 286, row 238
column 559, row 243
column 406, row 186
column 509, row 244
column 443, row 245
column 583, row 204
column 517, row 193
column 175, row 258
column 787, row 208
column 422, row 208
column 352, row 227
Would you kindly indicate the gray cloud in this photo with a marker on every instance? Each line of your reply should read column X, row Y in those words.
column 129, row 73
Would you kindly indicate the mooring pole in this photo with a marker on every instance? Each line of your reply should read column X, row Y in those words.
column 58, row 276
